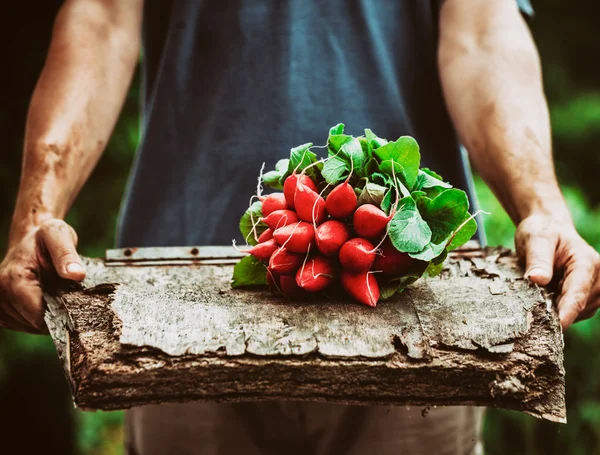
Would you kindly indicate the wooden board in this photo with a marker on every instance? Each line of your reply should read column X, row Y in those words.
column 163, row 325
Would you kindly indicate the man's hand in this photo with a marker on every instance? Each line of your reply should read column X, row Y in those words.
column 491, row 76
column 48, row 247
column 554, row 249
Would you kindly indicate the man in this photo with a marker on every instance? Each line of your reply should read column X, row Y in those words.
column 228, row 85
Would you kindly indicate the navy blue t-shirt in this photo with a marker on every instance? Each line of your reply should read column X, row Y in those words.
column 228, row 85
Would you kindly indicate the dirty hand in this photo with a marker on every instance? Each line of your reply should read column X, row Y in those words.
column 554, row 249
column 49, row 246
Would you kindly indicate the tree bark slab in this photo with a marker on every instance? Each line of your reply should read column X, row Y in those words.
column 162, row 325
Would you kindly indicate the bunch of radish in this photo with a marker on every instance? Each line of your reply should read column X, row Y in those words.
column 362, row 220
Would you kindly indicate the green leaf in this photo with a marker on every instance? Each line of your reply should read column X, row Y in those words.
column 434, row 270
column 388, row 201
column 444, row 213
column 406, row 281
column 373, row 140
column 431, row 251
column 249, row 272
column 441, row 258
column 337, row 129
column 352, row 152
column 388, row 289
column 464, row 235
column 300, row 157
column 335, row 170
column 282, row 166
column 424, row 180
column 364, row 145
column 371, row 167
column 404, row 151
column 433, row 174
column 387, row 165
column 250, row 219
column 380, row 179
column 398, row 171
column 272, row 180
column 372, row 194
column 408, row 232
column 337, row 138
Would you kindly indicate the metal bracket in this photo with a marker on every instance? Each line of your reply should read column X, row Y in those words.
column 177, row 255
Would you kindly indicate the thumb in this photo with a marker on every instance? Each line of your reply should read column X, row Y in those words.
column 539, row 251
column 60, row 241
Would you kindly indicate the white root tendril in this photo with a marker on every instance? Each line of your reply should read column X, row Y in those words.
column 315, row 206
column 233, row 244
column 278, row 251
column 253, row 230
column 318, row 146
column 376, row 249
column 304, row 265
column 351, row 170
column 254, row 223
column 290, row 236
column 395, row 208
column 371, row 297
column 464, row 223
column 259, row 187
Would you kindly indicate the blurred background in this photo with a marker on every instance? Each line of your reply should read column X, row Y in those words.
column 37, row 413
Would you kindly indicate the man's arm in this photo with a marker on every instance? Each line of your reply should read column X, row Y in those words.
column 491, row 77
column 92, row 56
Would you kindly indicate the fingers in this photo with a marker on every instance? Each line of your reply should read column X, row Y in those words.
column 21, row 299
column 575, row 290
column 537, row 245
column 593, row 303
column 11, row 319
column 60, row 240
column 28, row 302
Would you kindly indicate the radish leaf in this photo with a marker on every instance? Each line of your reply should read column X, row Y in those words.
column 444, row 213
column 335, row 170
column 404, row 151
column 249, row 272
column 250, row 219
column 408, row 231
column 372, row 194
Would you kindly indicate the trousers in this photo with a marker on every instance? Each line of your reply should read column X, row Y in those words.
column 284, row 427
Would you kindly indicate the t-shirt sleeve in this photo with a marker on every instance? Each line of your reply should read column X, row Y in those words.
column 524, row 6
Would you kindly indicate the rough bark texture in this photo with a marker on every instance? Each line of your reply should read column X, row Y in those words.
column 164, row 325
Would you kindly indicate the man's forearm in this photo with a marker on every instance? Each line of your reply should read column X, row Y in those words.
column 92, row 56
column 492, row 83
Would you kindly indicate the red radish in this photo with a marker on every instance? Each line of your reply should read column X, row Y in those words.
column 272, row 202
column 391, row 261
column 330, row 236
column 263, row 251
column 315, row 275
column 290, row 184
column 357, row 255
column 297, row 237
column 280, row 218
column 266, row 235
column 342, row 201
column 289, row 287
column 309, row 205
column 370, row 221
column 361, row 286
column 284, row 261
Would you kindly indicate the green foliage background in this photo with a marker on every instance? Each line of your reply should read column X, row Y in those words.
column 33, row 392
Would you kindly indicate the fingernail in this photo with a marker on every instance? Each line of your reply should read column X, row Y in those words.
column 74, row 267
column 537, row 271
